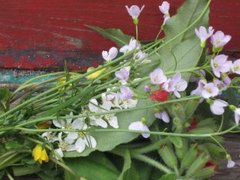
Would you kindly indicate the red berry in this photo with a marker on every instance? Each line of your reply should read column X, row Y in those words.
column 159, row 95
column 210, row 163
column 193, row 124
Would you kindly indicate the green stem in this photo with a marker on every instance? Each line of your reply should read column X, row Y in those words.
column 152, row 162
column 149, row 148
column 136, row 28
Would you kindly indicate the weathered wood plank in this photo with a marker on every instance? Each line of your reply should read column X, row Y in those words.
column 37, row 34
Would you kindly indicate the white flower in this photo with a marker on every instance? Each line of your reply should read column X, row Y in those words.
column 50, row 136
column 236, row 66
column 175, row 85
column 209, row 90
column 102, row 120
column 83, row 141
column 163, row 115
column 217, row 107
column 219, row 40
column 139, row 126
column 133, row 44
column 112, row 120
column 220, row 65
column 157, row 77
column 230, row 163
column 237, row 115
column 63, row 124
column 59, row 153
column 134, row 11
column 110, row 55
column 129, row 103
column 203, row 34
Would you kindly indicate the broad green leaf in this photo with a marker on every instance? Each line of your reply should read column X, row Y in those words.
column 108, row 140
column 126, row 164
column 185, row 51
column 115, row 35
column 95, row 166
column 183, row 56
column 187, row 14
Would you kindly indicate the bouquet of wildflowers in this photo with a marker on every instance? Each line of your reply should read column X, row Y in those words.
column 153, row 110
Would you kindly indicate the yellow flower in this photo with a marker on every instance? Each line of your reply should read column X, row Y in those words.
column 95, row 74
column 40, row 154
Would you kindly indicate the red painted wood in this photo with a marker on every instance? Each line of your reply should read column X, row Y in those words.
column 37, row 34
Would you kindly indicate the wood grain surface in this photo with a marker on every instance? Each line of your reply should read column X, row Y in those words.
column 40, row 34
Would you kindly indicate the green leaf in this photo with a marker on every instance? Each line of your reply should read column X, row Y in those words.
column 188, row 13
column 108, row 140
column 116, row 35
column 25, row 170
column 184, row 55
column 184, row 52
column 177, row 141
column 126, row 164
column 168, row 177
column 95, row 166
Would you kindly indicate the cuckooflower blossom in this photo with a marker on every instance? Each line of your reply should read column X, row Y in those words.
column 209, row 90
column 157, row 77
column 230, row 163
column 110, row 55
column 140, row 56
column 217, row 107
column 164, row 8
column 134, row 11
column 126, row 93
column 237, row 115
column 175, row 85
column 219, row 40
column 236, row 66
column 133, row 44
column 123, row 74
column 147, row 89
column 139, row 126
column 203, row 34
column 199, row 89
column 220, row 64
column 40, row 154
column 163, row 115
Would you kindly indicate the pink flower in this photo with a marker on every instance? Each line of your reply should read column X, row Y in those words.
column 209, row 90
column 163, row 115
column 164, row 8
column 157, row 77
column 123, row 74
column 175, row 85
column 217, row 107
column 219, row 40
column 220, row 65
column 203, row 34
column 139, row 126
column 134, row 11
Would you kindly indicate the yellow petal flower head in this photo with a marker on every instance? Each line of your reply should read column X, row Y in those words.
column 40, row 154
